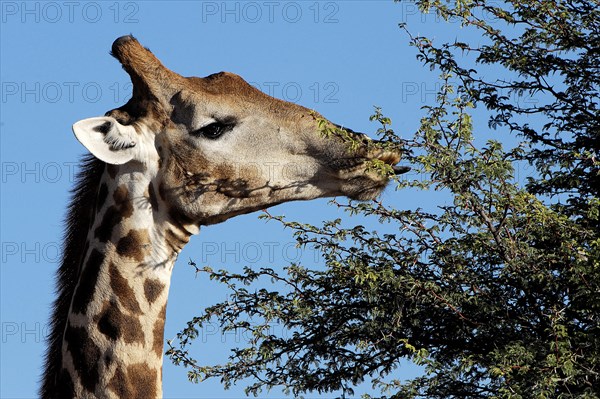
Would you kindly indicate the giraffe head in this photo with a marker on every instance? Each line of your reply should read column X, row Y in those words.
column 182, row 152
column 217, row 147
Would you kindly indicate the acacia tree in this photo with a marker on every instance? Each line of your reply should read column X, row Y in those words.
column 494, row 295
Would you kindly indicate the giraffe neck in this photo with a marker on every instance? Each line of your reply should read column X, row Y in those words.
column 112, row 344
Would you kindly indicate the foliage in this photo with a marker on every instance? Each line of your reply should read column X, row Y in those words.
column 549, row 52
column 495, row 294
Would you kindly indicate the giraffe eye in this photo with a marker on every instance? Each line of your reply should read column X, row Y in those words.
column 212, row 131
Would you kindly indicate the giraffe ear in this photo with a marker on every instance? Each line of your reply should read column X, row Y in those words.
column 107, row 139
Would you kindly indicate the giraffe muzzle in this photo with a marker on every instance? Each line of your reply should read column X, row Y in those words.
column 391, row 157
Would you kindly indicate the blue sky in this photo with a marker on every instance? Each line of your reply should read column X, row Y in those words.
column 338, row 57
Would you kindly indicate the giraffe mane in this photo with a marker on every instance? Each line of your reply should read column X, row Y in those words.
column 76, row 225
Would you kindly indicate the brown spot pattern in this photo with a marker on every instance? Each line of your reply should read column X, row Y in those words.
column 109, row 221
column 85, row 356
column 122, row 209
column 159, row 331
column 116, row 325
column 119, row 384
column 132, row 245
column 87, row 282
column 122, row 290
column 121, row 197
column 152, row 289
column 138, row 381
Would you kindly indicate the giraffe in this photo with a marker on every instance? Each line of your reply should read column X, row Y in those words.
column 180, row 154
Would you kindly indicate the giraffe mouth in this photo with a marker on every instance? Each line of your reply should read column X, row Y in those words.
column 392, row 158
column 349, row 166
column 363, row 178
